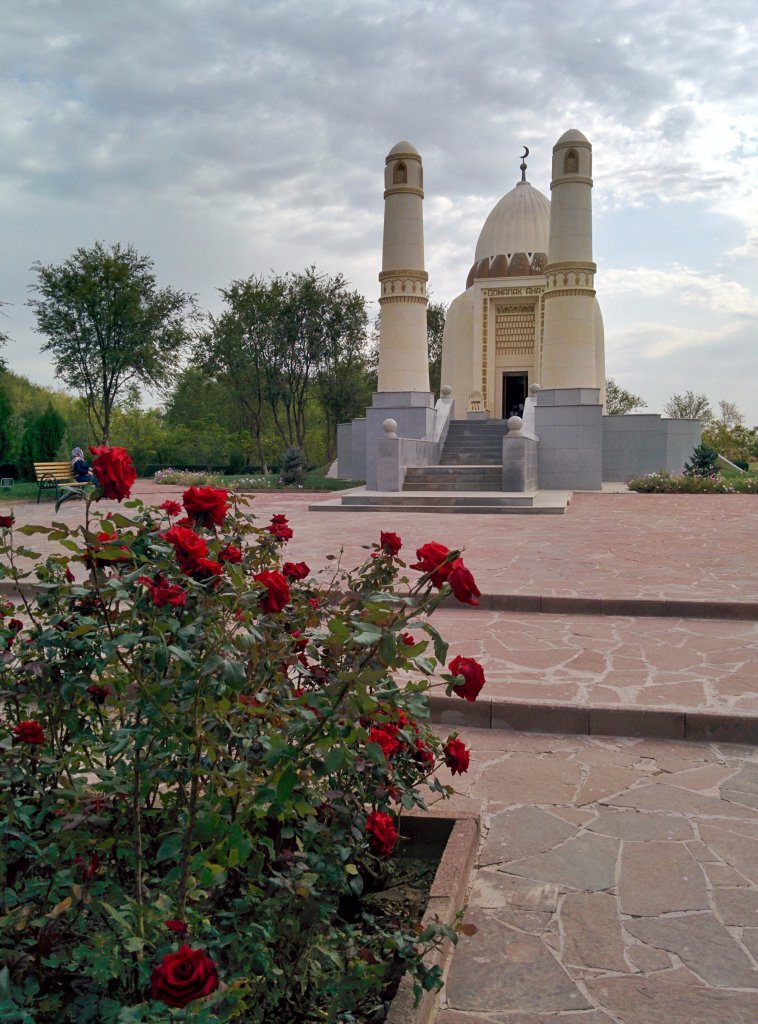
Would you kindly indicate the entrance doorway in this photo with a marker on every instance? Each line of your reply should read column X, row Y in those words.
column 515, row 390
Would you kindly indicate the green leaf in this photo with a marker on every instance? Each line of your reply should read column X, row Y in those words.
column 170, row 847
column 134, row 944
column 387, row 648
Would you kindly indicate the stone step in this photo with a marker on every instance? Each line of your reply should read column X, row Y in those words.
column 435, row 499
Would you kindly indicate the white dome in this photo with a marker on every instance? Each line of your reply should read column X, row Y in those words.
column 520, row 222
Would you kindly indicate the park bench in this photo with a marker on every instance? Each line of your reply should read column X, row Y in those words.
column 57, row 476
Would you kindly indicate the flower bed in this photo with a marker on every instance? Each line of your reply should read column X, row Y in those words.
column 667, row 483
column 205, row 755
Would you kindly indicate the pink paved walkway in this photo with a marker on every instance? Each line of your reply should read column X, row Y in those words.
column 606, row 545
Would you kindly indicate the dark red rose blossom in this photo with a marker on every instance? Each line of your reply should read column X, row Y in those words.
column 277, row 593
column 386, row 737
column 6, row 522
column 29, row 732
column 456, row 756
column 179, row 928
column 15, row 625
column 163, row 592
column 408, row 639
column 423, row 753
column 87, row 870
column 230, row 554
column 314, row 602
column 172, row 508
column 295, row 570
column 69, row 575
column 183, row 976
column 473, row 676
column 114, row 471
column 462, row 582
column 279, row 528
column 98, row 693
column 206, row 505
column 382, row 833
column 431, row 559
column 189, row 547
column 390, row 542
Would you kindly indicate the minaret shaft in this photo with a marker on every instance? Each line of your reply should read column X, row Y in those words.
column 403, row 352
column 569, row 350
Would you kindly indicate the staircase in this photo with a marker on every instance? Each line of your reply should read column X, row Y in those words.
column 472, row 460
column 472, row 443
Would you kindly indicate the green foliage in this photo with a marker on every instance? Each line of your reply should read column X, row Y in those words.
column 6, row 424
column 42, row 440
column 293, row 467
column 287, row 343
column 108, row 325
column 702, row 462
column 618, row 401
column 436, row 312
column 182, row 741
column 736, row 443
column 689, row 406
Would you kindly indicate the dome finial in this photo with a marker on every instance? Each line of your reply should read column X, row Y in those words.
column 524, row 155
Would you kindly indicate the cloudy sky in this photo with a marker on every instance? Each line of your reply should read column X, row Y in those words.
column 226, row 138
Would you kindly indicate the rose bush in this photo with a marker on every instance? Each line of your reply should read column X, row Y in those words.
column 206, row 755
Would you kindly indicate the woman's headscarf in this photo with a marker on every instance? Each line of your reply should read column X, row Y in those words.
column 76, row 455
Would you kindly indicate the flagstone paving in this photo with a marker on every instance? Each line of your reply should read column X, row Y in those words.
column 639, row 906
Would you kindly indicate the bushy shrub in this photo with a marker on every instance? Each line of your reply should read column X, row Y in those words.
column 205, row 753
column 186, row 477
column 702, row 462
column 293, row 467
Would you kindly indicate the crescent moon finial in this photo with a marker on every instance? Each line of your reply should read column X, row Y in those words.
column 524, row 155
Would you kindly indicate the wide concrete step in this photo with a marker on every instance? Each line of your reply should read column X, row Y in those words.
column 454, row 478
column 436, row 499
column 471, row 458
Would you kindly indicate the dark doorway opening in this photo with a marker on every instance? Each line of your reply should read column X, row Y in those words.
column 515, row 390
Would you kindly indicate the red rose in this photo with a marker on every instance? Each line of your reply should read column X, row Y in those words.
column 15, row 625
column 408, row 639
column 382, row 834
column 456, row 756
column 390, row 542
column 87, row 871
column 206, row 505
column 178, row 927
column 279, row 528
column 163, row 592
column 29, row 732
column 423, row 753
column 431, row 559
column 172, row 508
column 183, row 976
column 114, row 471
column 473, row 676
column 462, row 582
column 98, row 693
column 386, row 737
column 295, row 570
column 277, row 590
column 230, row 554
column 6, row 522
column 188, row 545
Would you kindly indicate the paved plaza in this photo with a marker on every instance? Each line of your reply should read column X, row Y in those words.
column 618, row 876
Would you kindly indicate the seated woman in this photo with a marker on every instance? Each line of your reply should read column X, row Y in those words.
column 79, row 468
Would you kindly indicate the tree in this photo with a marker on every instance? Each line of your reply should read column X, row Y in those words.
column 108, row 325
column 702, row 461
column 282, row 343
column 436, row 312
column 618, row 401
column 730, row 414
column 6, row 424
column 689, row 406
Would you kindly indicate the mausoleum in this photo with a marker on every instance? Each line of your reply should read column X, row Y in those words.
column 523, row 356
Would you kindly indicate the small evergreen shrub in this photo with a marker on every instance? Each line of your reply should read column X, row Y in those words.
column 702, row 462
column 293, row 467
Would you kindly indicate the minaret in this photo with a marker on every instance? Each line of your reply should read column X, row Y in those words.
column 403, row 352
column 569, row 353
